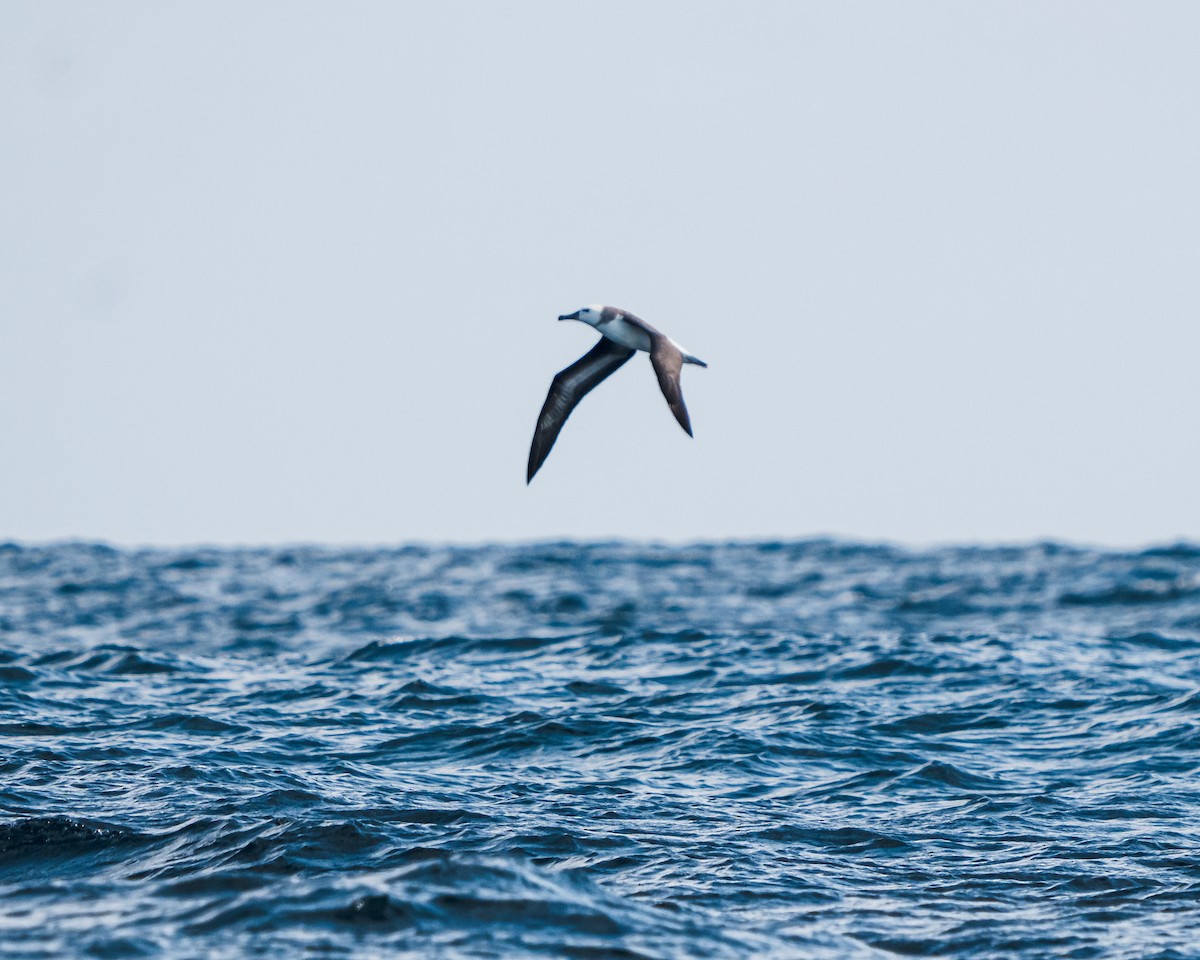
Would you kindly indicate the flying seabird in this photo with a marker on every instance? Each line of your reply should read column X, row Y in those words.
column 623, row 334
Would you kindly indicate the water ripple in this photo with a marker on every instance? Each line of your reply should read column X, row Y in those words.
column 812, row 749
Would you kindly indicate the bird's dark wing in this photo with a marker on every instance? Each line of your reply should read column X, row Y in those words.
column 668, row 361
column 569, row 387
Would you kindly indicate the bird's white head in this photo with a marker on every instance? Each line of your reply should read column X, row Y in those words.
column 589, row 314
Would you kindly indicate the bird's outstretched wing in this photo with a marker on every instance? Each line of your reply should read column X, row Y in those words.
column 569, row 387
column 668, row 361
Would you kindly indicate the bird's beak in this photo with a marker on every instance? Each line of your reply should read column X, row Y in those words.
column 570, row 316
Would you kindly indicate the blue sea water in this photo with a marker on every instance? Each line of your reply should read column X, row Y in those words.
column 812, row 749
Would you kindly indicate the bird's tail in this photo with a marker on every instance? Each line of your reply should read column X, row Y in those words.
column 688, row 358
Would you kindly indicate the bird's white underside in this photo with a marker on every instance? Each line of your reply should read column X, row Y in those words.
column 626, row 334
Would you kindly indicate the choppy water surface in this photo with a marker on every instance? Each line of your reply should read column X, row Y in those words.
column 810, row 750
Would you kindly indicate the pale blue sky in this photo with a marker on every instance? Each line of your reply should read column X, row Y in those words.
column 289, row 271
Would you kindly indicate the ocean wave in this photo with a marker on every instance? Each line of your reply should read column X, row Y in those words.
column 811, row 749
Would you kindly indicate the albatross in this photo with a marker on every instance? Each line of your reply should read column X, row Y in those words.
column 622, row 335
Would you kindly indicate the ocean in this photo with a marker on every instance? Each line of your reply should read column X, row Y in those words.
column 811, row 749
